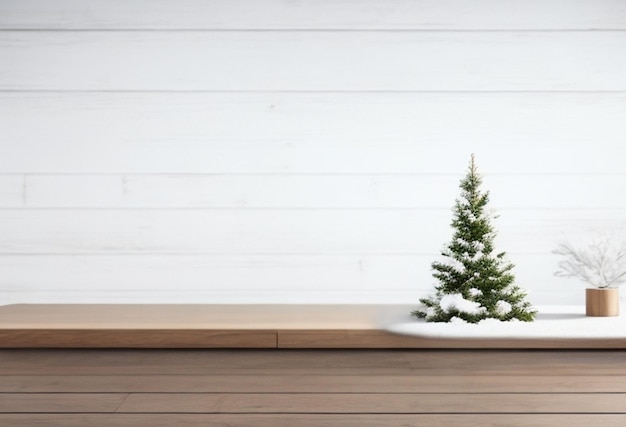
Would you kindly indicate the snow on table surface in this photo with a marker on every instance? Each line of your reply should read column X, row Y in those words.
column 550, row 322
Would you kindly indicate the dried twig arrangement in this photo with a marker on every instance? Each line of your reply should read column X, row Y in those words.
column 602, row 264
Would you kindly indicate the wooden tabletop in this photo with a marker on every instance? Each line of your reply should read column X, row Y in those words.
column 235, row 326
column 200, row 316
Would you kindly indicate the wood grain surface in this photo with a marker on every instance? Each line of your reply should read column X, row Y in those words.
column 315, row 420
column 308, row 14
column 312, row 387
column 276, row 61
column 311, row 383
column 238, row 151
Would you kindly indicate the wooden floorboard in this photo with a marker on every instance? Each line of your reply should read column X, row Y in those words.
column 409, row 387
column 302, row 403
column 312, row 362
column 312, row 420
column 60, row 402
column 372, row 403
column 315, row 383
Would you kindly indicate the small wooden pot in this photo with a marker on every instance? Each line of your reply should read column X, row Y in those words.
column 602, row 302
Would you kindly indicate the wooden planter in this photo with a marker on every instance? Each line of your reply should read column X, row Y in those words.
column 602, row 302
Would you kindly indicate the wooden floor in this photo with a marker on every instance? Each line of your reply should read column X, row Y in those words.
column 312, row 388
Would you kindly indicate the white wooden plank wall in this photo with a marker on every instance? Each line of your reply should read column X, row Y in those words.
column 299, row 151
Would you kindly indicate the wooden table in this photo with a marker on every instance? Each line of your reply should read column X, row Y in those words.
column 233, row 326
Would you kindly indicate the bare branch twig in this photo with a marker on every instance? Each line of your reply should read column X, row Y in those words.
column 601, row 264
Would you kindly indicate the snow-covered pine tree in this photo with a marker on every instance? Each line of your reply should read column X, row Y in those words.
column 474, row 283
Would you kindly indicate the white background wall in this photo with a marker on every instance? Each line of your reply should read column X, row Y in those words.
column 299, row 150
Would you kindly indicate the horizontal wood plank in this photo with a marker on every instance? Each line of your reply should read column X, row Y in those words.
column 312, row 362
column 345, row 338
column 217, row 231
column 373, row 403
column 135, row 338
column 380, row 339
column 228, row 274
column 60, row 402
column 302, row 339
column 391, row 133
column 304, row 191
column 310, row 14
column 314, row 420
column 275, row 231
column 223, row 317
column 314, row 383
column 493, row 61
column 11, row 191
column 422, row 157
column 302, row 403
column 233, row 296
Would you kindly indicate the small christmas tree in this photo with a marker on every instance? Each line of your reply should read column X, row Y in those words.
column 474, row 284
